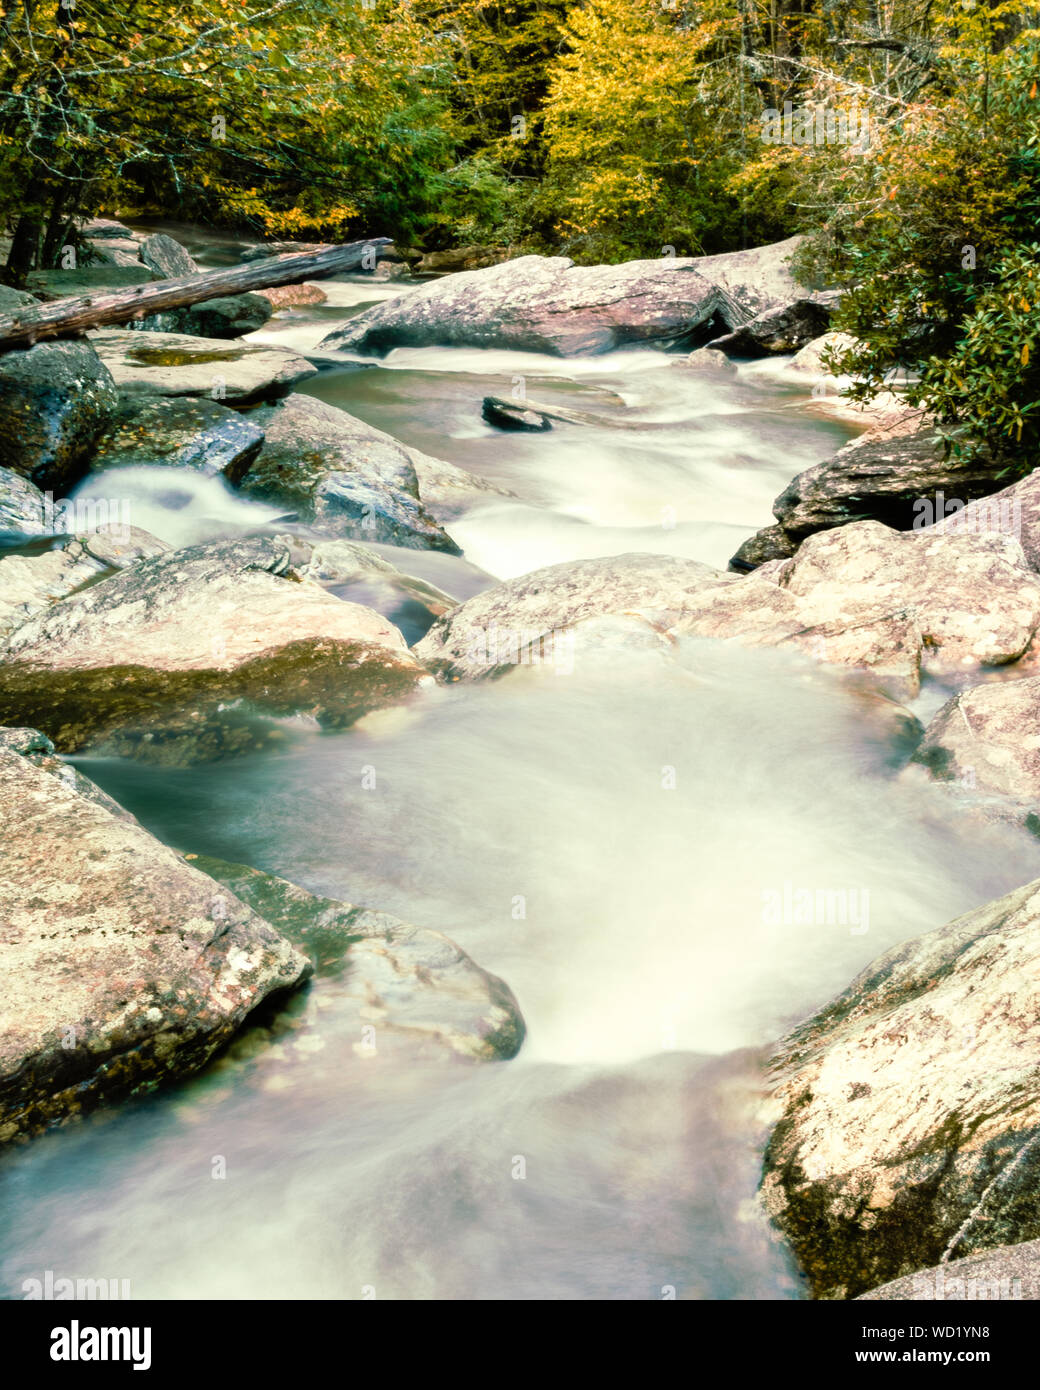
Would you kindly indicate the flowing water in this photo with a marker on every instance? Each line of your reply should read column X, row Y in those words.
column 653, row 819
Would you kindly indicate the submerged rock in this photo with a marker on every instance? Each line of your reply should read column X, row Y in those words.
column 395, row 987
column 354, row 571
column 56, row 400
column 175, row 364
column 120, row 970
column 179, row 431
column 340, row 474
column 909, row 1108
column 168, row 660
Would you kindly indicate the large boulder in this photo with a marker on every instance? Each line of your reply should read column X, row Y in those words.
column 909, row 1108
column 56, row 400
column 549, row 304
column 31, row 583
column 120, row 969
column 190, row 655
column 527, row 621
column 180, row 431
column 175, row 364
column 895, row 603
column 341, row 474
column 396, row 988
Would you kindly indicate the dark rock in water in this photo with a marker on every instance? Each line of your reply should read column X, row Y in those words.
column 1006, row 1273
column 783, row 329
column 56, row 400
column 64, row 284
column 891, row 474
column 123, row 966
column 909, row 1107
column 182, row 432
column 22, row 505
column 227, row 317
column 397, row 987
column 340, row 474
column 771, row 543
column 170, row 661
column 511, row 415
column 167, row 257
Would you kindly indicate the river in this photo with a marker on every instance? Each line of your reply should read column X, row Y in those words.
column 645, row 813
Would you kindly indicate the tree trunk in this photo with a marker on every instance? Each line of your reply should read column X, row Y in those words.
column 65, row 316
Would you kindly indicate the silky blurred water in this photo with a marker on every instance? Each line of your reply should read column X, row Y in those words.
column 609, row 841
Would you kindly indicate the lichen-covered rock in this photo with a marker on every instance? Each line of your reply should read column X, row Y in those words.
column 341, row 474
column 120, row 971
column 56, row 400
column 178, row 431
column 1013, row 511
column 170, row 660
column 176, row 364
column 293, row 296
column 395, row 987
column 525, row 621
column 780, row 329
column 771, row 543
column 909, row 1108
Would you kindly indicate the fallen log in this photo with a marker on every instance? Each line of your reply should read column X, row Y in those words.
column 63, row 316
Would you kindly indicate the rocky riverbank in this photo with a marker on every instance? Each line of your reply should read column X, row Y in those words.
column 904, row 1114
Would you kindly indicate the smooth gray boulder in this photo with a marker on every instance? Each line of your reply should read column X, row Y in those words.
column 528, row 620
column 180, row 432
column 908, row 1110
column 56, row 400
column 189, row 655
column 397, row 989
column 175, row 364
column 341, row 474
column 120, row 970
